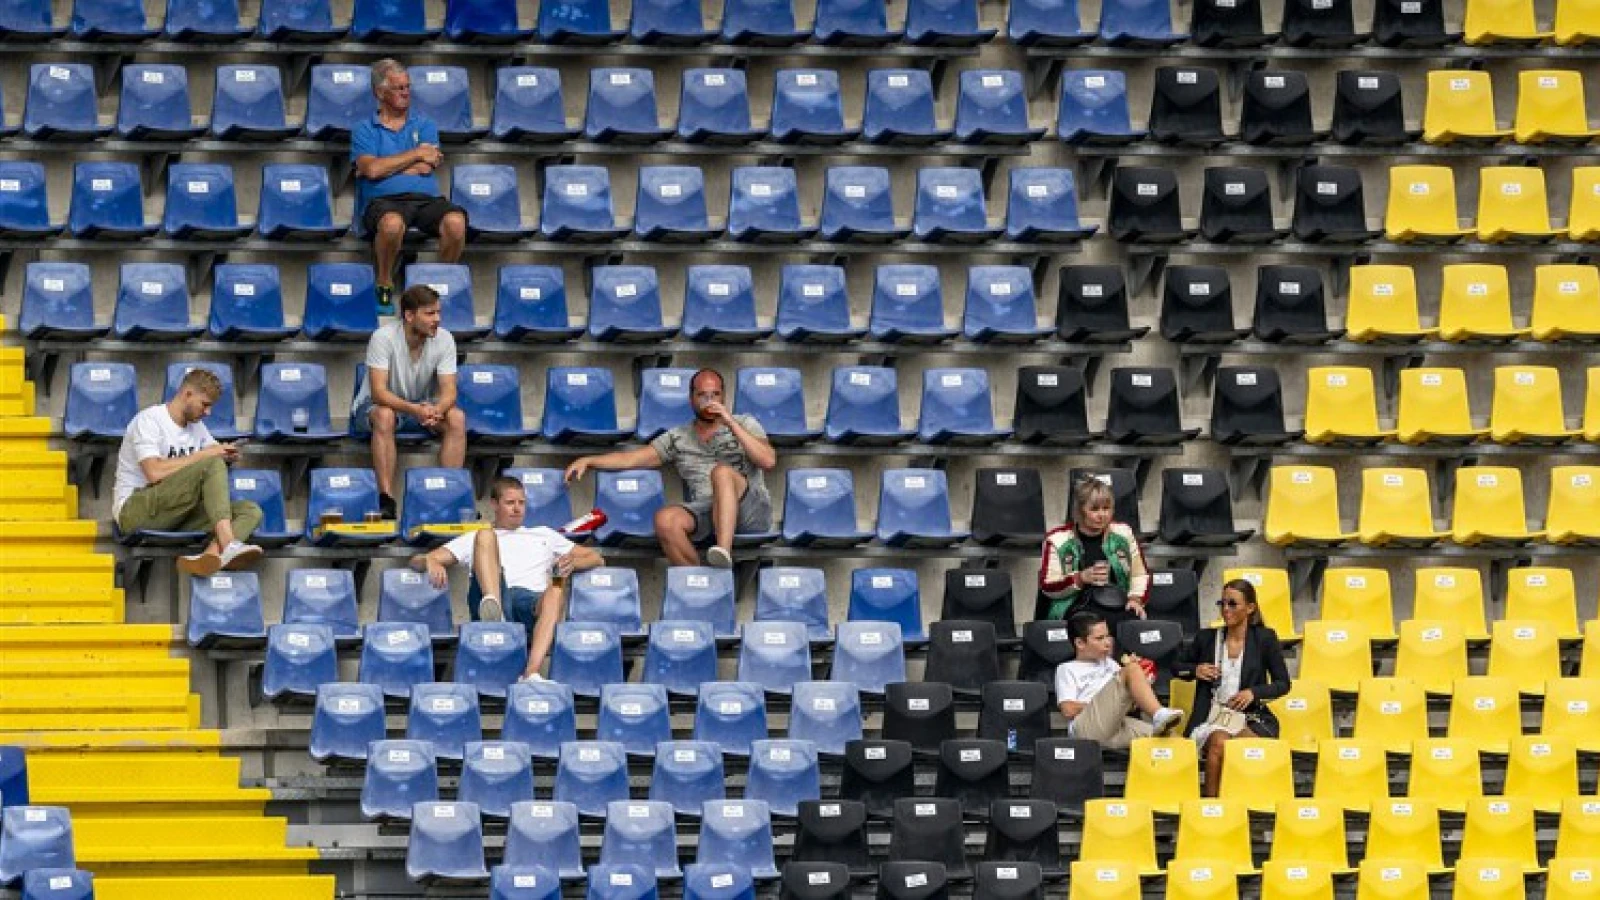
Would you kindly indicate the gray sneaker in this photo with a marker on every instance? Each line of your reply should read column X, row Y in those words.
column 490, row 610
column 532, row 677
column 719, row 558
column 202, row 564
column 240, row 555
column 1166, row 720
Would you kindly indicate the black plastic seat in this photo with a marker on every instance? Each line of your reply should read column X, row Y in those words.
column 1146, row 207
column 1052, row 407
column 921, row 713
column 1174, row 595
column 1068, row 772
column 913, row 880
column 974, row 773
column 1367, row 110
column 1045, row 645
column 1143, row 408
column 964, row 654
column 1007, row 881
column 1327, row 24
column 1022, row 831
column 1330, row 206
column 1154, row 639
column 1197, row 306
column 1186, row 107
column 1276, row 110
column 929, row 830
column 1236, row 207
column 981, row 595
column 1410, row 23
column 1291, row 306
column 1247, row 408
column 1008, row 507
column 1092, row 306
column 877, row 773
column 1197, row 509
column 832, row 831
column 1229, row 24
column 814, row 880
column 1015, row 712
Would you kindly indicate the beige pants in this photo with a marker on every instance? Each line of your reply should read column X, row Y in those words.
column 1106, row 721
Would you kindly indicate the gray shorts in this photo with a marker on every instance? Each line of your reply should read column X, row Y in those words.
column 405, row 425
column 755, row 514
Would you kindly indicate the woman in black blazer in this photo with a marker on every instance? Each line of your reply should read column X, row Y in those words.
column 1240, row 665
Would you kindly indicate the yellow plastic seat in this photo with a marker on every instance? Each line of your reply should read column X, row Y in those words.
column 1446, row 772
column 1451, row 593
column 1475, row 304
column 1566, row 303
column 1577, row 22
column 1543, row 770
column 1527, row 652
column 1579, row 834
column 1360, row 595
column 1572, row 712
column 1272, row 597
column 1488, row 879
column 1485, row 710
column 1460, row 109
column 1305, row 715
column 1391, row 879
column 1513, row 206
column 1120, row 831
column 1573, row 879
column 1489, row 508
column 1433, row 653
column 1303, row 507
column 1501, row 22
column 1501, row 828
column 1104, row 880
column 1393, row 712
column 1342, row 407
column 1546, row 593
column 1382, row 305
column 1200, row 879
column 1591, row 405
column 1396, row 508
column 1551, row 108
column 1258, row 772
column 1569, row 513
column 1583, row 203
column 1163, row 773
column 1589, row 661
column 1296, row 880
column 1527, row 407
column 1337, row 653
column 1404, row 831
column 1215, row 832
column 1309, row 831
column 1434, row 407
column 1352, row 773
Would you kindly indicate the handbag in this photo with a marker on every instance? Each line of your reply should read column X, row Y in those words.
column 1226, row 720
column 1105, row 596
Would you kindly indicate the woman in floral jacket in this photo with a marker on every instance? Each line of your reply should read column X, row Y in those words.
column 1094, row 562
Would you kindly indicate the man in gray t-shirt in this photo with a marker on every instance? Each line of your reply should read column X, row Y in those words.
column 410, row 385
column 721, row 458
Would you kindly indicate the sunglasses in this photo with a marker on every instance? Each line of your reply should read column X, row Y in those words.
column 1230, row 604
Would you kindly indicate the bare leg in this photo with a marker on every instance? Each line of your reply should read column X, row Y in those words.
column 383, row 422
column 386, row 247
column 1144, row 696
column 727, row 486
column 486, row 562
column 453, row 444
column 452, row 237
column 552, row 609
column 674, row 525
column 1215, row 742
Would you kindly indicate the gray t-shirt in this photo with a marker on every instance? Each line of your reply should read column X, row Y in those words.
column 415, row 380
column 682, row 447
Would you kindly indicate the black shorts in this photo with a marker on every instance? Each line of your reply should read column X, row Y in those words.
column 420, row 211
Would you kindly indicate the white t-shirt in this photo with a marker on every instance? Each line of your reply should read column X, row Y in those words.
column 1079, row 681
column 526, row 555
column 151, row 435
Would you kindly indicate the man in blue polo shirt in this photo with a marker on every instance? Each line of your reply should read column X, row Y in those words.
column 395, row 155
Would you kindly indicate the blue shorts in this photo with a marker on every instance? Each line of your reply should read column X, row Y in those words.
column 520, row 604
column 361, row 422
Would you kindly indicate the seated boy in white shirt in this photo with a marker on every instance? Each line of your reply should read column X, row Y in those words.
column 1096, row 694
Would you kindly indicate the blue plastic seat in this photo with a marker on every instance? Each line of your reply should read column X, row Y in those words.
column 248, row 105
column 641, row 832
column 1043, row 207
column 531, row 305
column 701, row 594
column 292, row 406
column 110, row 20
column 625, row 305
column 914, row 511
column 446, row 844
column 201, row 203
column 580, row 406
column 264, row 488
column 300, row 657
column 577, row 205
column 719, row 305
column 669, row 23
column 1001, row 307
column 1138, row 23
column 586, row 656
column 339, row 98
column 445, row 714
column 717, row 881
column 61, row 103
column 24, row 201
column 492, row 202
column 494, row 775
column 533, row 882
column 868, row 654
column 687, row 774
column 27, row 22
column 622, row 107
column 621, row 882
column 491, row 656
column 738, row 833
column 322, row 597
column 825, row 713
column 58, row 302
column 347, row 719
column 663, row 402
column 992, row 108
column 544, row 834
column 491, row 399
column 635, row 716
column 102, row 398
column 680, row 655
column 807, row 107
column 153, row 304
column 247, row 303
column 57, row 883
column 814, row 305
column 854, row 23
column 453, row 283
column 607, row 594
column 864, row 407
column 783, row 773
column 776, row 398
column 399, row 775
column 221, row 421
column 154, row 104
column 297, row 204
column 483, row 22
column 775, row 655
column 577, row 22
column 761, row 23
column 908, row 305
column 391, row 22
column 714, row 107
column 225, row 612
column 341, row 302
column 540, row 714
column 204, row 21
column 396, row 656
column 590, row 775
column 1046, row 23
column 630, row 499
column 899, row 108
column 444, row 94
column 945, row 23
column 731, row 715
column 408, row 596
column 764, row 206
column 107, row 202
column 888, row 595
column 34, row 837
column 1094, row 109
column 950, row 207
column 858, row 206
column 549, row 503
column 819, row 509
column 957, row 408
column 528, row 106
column 794, row 594
column 299, row 21
column 671, row 205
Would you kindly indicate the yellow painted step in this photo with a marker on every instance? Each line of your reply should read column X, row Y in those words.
column 263, row 887
column 95, row 679
column 95, row 641
column 247, row 841
column 98, row 714
column 39, row 510
column 76, row 535
column 24, row 431
column 143, row 785
column 48, row 741
column 56, row 565
column 82, row 606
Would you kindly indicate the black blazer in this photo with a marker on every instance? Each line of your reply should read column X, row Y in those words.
column 1262, row 670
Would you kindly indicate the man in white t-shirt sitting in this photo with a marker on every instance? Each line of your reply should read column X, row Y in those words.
column 522, row 583
column 172, row 475
column 1096, row 695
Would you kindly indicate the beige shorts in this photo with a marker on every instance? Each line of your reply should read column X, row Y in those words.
column 1106, row 721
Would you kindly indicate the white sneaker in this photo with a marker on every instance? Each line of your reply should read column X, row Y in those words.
column 1166, row 720
column 719, row 558
column 532, row 677
column 489, row 610
column 203, row 565
column 240, row 555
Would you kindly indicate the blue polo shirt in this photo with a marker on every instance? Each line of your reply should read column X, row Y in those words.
column 370, row 138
